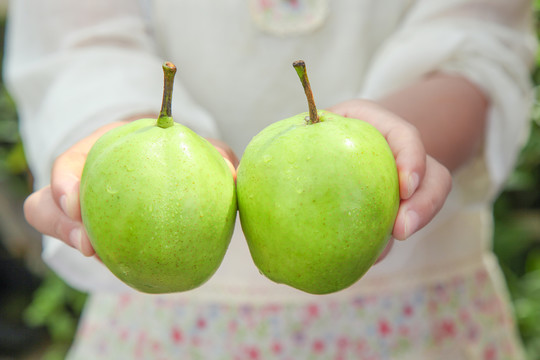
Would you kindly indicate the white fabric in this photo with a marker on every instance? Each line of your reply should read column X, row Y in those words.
column 73, row 66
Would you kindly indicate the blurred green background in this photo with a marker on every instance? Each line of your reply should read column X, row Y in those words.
column 39, row 312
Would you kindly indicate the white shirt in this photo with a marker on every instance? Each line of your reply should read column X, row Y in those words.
column 74, row 66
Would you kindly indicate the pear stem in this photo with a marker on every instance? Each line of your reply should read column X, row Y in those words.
column 165, row 119
column 300, row 67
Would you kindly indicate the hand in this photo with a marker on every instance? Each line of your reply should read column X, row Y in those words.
column 424, row 183
column 55, row 209
column 228, row 154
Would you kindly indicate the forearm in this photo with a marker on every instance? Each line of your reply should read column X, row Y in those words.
column 448, row 111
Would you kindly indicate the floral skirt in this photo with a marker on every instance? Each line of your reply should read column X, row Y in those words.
column 464, row 316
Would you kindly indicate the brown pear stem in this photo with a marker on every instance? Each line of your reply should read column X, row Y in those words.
column 165, row 119
column 300, row 67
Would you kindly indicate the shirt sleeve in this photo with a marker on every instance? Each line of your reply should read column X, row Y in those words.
column 490, row 42
column 74, row 66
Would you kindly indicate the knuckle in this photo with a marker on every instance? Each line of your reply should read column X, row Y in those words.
column 58, row 230
column 413, row 131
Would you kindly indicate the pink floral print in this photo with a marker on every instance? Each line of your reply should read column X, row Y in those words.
column 464, row 314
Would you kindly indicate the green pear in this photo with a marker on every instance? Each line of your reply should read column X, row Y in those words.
column 318, row 195
column 158, row 202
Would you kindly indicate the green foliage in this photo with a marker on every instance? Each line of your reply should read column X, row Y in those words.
column 13, row 168
column 517, row 239
column 517, row 229
column 56, row 307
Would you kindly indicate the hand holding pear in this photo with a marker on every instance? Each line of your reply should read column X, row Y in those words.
column 158, row 202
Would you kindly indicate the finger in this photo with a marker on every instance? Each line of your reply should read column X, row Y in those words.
column 67, row 170
column 65, row 179
column 421, row 208
column 231, row 167
column 410, row 158
column 402, row 137
column 42, row 212
column 228, row 154
column 225, row 150
column 385, row 251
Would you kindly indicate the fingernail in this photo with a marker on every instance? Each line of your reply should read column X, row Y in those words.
column 67, row 204
column 75, row 238
column 63, row 204
column 411, row 223
column 412, row 184
column 86, row 246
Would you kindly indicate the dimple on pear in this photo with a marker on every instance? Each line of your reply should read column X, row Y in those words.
column 158, row 202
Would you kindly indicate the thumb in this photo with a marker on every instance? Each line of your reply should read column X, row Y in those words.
column 67, row 170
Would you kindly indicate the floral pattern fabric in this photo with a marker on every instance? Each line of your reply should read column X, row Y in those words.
column 463, row 317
